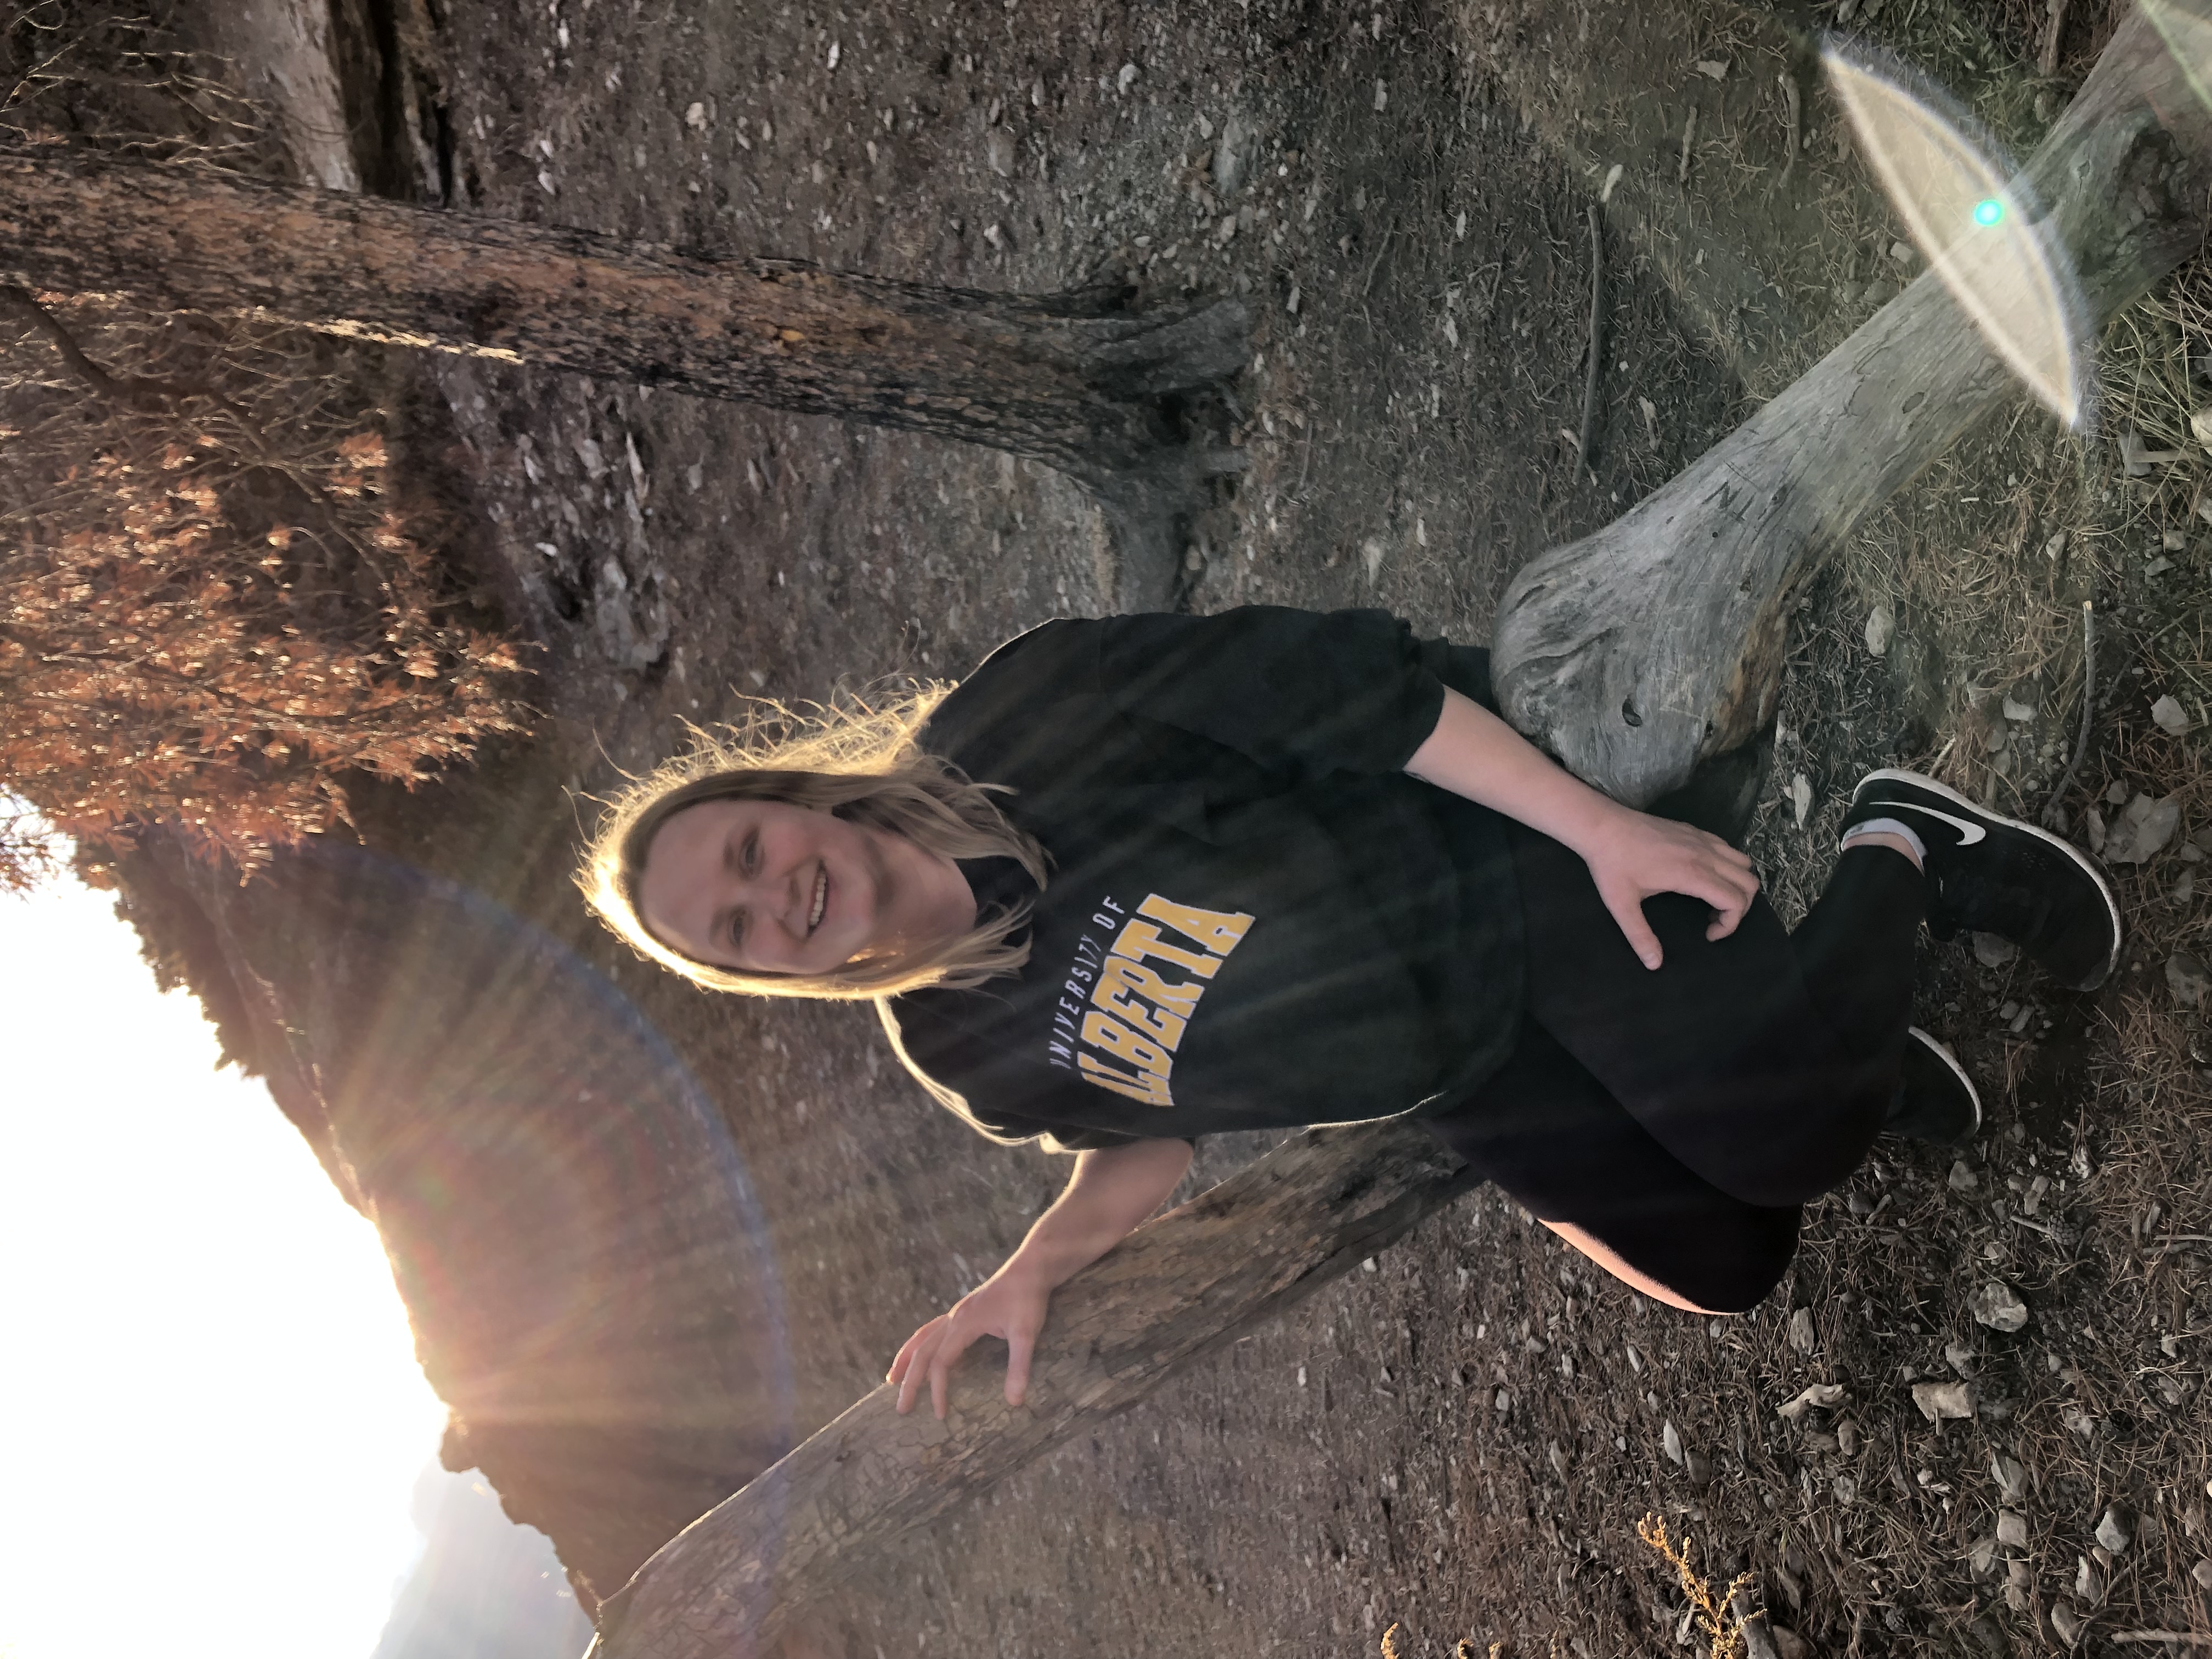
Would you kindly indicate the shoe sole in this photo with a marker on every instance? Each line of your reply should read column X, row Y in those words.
column 1959, row 1071
column 1897, row 774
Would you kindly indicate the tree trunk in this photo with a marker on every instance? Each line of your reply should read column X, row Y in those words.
column 1103, row 394
column 1655, row 643
column 1266, row 1238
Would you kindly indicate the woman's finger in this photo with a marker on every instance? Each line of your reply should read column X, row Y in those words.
column 904, row 1358
column 1019, row 1345
column 1628, row 911
column 917, row 1367
column 955, row 1343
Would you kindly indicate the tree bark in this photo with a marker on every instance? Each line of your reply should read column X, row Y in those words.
column 1655, row 643
column 1178, row 1290
column 1102, row 393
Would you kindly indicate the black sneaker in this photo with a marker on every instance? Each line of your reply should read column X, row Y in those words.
column 1991, row 874
column 1935, row 1099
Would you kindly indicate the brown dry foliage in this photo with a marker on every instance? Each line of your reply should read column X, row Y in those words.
column 211, row 611
column 159, row 659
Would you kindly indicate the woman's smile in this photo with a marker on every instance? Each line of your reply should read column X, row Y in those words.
column 765, row 887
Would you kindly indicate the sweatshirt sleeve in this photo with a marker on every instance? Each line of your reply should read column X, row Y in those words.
column 1300, row 693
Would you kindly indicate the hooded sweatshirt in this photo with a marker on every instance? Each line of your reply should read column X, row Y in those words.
column 1255, row 918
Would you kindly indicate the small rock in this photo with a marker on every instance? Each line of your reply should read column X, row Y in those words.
column 696, row 118
column 2065, row 1623
column 1941, row 1402
column 999, row 151
column 1847, row 1437
column 2142, row 830
column 1904, row 253
column 1998, row 1306
column 1958, row 1357
column 1961, row 1178
column 1820, row 1395
column 1881, row 628
column 2014, row 710
column 2185, row 889
column 1713, row 68
column 1125, row 79
column 1801, row 1330
column 1994, row 952
column 1801, row 798
column 2174, row 541
column 2056, row 545
column 2012, row 1529
column 2188, row 979
column 1670, row 1442
column 2200, row 426
column 1788, row 1644
column 1230, row 156
column 2202, row 1572
column 2117, row 794
column 2089, row 1584
column 2113, row 1531
column 2166, row 714
column 2158, row 567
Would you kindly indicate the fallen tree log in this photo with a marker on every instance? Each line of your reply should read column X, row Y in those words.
column 1632, row 655
column 1267, row 1237
column 1655, row 643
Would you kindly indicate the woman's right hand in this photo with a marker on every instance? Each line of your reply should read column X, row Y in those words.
column 1010, row 1305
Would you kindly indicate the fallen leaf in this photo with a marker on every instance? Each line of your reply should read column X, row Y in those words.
column 2200, row 426
column 1800, row 798
column 1801, row 1323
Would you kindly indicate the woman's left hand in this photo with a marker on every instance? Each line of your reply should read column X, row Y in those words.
column 1634, row 855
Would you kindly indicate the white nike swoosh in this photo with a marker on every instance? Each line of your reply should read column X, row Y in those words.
column 1968, row 833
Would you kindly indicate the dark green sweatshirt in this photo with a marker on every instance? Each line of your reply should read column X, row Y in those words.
column 1254, row 917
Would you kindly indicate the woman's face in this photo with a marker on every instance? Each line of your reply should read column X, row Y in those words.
column 764, row 887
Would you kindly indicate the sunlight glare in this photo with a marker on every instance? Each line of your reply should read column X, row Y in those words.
column 214, row 1420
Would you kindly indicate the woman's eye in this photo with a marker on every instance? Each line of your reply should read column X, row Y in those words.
column 751, row 856
column 737, row 932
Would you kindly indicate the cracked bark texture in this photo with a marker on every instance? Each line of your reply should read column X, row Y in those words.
column 1106, row 395
column 1636, row 653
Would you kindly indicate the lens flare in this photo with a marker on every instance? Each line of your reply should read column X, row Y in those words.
column 2188, row 37
column 586, row 1265
column 1977, row 222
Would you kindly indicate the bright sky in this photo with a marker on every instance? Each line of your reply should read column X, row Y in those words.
column 210, row 1416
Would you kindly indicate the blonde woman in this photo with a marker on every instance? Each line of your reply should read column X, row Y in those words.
column 1145, row 878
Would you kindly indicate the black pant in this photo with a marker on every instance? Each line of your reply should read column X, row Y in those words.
column 1671, row 1123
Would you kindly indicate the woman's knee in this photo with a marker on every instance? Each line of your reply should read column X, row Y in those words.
column 1719, row 1265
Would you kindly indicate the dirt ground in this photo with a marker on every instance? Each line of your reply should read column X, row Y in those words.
column 1461, row 1439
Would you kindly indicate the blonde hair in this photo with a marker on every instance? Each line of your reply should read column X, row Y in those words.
column 855, row 757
